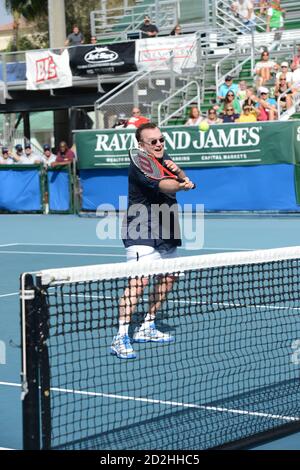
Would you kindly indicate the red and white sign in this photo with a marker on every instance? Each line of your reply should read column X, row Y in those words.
column 46, row 70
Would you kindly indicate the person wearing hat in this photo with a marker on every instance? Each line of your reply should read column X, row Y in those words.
column 284, row 72
column 7, row 158
column 267, row 107
column 149, row 30
column 121, row 121
column 227, row 86
column 48, row 157
column 30, row 157
column 19, row 153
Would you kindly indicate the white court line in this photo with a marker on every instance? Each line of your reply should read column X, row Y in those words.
column 10, row 384
column 66, row 244
column 121, row 246
column 9, row 244
column 14, row 252
column 9, row 295
column 190, row 302
column 168, row 403
column 6, row 448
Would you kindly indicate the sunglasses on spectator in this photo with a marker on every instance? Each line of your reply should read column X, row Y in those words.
column 265, row 54
column 212, row 112
column 154, row 141
column 230, row 94
column 229, row 109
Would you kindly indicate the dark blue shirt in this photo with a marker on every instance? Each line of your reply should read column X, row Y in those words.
column 152, row 217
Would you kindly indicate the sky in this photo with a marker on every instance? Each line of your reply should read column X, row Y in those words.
column 4, row 16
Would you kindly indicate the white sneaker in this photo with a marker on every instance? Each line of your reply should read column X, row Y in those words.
column 143, row 335
column 121, row 347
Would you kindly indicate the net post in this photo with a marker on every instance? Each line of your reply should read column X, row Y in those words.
column 44, row 367
column 30, row 368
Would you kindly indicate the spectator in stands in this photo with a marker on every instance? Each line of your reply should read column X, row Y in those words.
column 136, row 119
column 194, row 117
column 283, row 86
column 30, row 157
column 267, row 107
column 93, row 40
column 64, row 156
column 212, row 117
column 121, row 121
column 296, row 61
column 264, row 69
column 244, row 11
column 48, row 157
column 248, row 114
column 176, row 31
column 284, row 71
column 75, row 38
column 227, row 86
column 275, row 16
column 7, row 158
column 241, row 94
column 149, row 30
column 19, row 152
column 231, row 100
column 251, row 98
column 229, row 114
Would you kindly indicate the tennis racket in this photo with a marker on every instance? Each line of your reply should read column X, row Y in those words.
column 150, row 167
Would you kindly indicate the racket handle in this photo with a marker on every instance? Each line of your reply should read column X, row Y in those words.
column 180, row 180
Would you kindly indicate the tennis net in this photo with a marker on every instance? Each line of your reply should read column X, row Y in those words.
column 229, row 380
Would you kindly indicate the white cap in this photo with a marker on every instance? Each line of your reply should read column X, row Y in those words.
column 284, row 64
column 263, row 89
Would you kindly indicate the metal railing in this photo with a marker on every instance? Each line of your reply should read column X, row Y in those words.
column 229, row 21
column 233, row 58
column 164, row 114
column 286, row 114
column 107, row 24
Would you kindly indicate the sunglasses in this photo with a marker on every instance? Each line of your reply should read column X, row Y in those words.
column 155, row 141
column 230, row 95
column 229, row 109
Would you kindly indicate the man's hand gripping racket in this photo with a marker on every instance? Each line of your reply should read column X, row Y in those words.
column 151, row 168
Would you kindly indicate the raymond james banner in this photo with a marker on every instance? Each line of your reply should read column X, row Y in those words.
column 101, row 59
column 222, row 145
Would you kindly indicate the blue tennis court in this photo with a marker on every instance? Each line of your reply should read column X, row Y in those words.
column 31, row 243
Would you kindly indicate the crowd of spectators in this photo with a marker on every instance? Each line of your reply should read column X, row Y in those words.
column 28, row 156
column 274, row 88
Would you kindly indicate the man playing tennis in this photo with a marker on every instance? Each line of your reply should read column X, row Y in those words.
column 157, row 239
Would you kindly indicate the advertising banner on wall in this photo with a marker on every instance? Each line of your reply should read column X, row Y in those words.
column 46, row 70
column 221, row 145
column 157, row 53
column 102, row 59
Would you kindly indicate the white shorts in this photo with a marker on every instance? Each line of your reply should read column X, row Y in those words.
column 143, row 252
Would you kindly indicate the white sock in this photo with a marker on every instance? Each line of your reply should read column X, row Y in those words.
column 123, row 329
column 147, row 322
